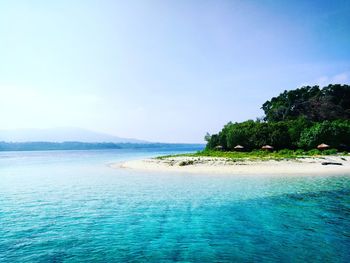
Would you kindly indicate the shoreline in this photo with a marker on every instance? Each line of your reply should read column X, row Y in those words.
column 218, row 165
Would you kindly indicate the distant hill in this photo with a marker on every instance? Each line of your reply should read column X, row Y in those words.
column 62, row 135
column 77, row 139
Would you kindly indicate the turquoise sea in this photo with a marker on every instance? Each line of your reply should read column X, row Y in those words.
column 70, row 206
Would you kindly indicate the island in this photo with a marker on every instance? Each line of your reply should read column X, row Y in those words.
column 304, row 131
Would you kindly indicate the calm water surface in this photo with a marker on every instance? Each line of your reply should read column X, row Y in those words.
column 69, row 206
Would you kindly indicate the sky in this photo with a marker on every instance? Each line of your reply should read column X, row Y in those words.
column 164, row 71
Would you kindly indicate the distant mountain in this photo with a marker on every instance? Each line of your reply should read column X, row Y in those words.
column 61, row 135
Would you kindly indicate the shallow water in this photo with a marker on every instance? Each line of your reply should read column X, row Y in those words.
column 69, row 206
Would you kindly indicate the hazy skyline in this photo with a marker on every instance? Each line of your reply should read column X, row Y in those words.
column 166, row 71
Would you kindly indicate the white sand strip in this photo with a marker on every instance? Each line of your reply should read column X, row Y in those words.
column 213, row 165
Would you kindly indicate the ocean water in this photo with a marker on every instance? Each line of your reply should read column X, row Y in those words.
column 70, row 206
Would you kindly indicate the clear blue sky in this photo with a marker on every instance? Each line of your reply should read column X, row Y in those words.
column 162, row 70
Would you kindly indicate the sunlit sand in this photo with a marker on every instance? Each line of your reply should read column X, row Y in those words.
column 212, row 165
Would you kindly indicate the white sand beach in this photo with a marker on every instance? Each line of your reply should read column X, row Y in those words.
column 213, row 165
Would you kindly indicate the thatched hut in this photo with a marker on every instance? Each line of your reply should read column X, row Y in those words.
column 219, row 148
column 238, row 148
column 267, row 148
column 323, row 146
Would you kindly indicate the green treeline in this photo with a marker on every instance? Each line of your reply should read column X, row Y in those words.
column 296, row 119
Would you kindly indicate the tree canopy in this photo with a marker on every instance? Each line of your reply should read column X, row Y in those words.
column 301, row 118
column 315, row 104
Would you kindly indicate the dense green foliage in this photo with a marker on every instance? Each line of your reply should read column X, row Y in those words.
column 292, row 134
column 335, row 133
column 315, row 104
column 301, row 118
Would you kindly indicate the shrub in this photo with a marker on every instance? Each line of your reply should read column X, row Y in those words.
column 313, row 152
column 329, row 152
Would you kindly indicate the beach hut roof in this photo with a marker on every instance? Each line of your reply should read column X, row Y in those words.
column 267, row 147
column 238, row 147
column 323, row 146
